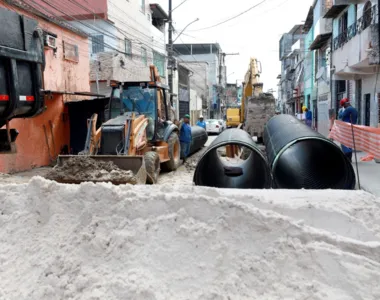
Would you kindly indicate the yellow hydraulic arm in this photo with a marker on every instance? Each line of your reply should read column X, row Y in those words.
column 251, row 84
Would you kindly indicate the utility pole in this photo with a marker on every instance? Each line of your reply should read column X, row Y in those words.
column 170, row 52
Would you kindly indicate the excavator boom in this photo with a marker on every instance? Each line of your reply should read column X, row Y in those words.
column 251, row 84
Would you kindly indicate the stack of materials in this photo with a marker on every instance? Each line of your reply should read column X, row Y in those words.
column 259, row 109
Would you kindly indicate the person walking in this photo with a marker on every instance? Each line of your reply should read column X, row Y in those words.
column 185, row 137
column 341, row 110
column 201, row 122
column 308, row 117
column 349, row 115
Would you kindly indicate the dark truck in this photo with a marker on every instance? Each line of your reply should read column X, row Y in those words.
column 22, row 63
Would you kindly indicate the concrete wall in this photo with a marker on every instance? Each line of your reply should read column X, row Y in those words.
column 353, row 52
column 371, row 86
column 127, row 20
column 59, row 75
column 320, row 24
column 213, row 70
column 112, row 38
column 136, row 24
column 195, row 106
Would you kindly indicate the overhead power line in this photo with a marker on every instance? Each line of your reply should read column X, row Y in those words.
column 232, row 18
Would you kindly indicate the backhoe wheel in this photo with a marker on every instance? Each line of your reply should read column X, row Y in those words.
column 174, row 153
column 152, row 166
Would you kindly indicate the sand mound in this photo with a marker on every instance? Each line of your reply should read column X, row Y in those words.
column 158, row 242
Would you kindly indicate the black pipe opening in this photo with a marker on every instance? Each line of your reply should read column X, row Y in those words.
column 313, row 164
column 247, row 169
column 303, row 158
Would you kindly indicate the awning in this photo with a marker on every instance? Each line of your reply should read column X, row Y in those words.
column 335, row 11
column 158, row 12
column 320, row 41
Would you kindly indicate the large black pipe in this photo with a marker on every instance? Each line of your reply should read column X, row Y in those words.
column 199, row 138
column 302, row 158
column 251, row 173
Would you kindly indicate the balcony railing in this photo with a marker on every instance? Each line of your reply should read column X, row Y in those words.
column 369, row 17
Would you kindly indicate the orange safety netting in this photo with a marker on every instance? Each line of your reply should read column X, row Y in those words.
column 367, row 139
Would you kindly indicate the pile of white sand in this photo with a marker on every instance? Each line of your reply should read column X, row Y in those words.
column 174, row 242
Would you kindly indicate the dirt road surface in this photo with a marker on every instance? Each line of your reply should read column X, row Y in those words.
column 183, row 175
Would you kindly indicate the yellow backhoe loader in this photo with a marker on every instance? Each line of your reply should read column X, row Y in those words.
column 137, row 134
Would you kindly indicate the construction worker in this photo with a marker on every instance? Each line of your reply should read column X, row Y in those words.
column 341, row 110
column 185, row 137
column 308, row 117
column 349, row 115
column 201, row 122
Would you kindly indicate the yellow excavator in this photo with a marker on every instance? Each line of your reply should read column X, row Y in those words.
column 236, row 115
column 137, row 134
column 257, row 107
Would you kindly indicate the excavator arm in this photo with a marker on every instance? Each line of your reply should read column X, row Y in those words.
column 251, row 85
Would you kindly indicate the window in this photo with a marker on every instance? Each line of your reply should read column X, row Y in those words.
column 343, row 23
column 316, row 63
column 97, row 43
column 142, row 101
column 128, row 47
column 71, row 52
column 142, row 6
column 159, row 62
column 367, row 15
column 144, row 56
column 324, row 58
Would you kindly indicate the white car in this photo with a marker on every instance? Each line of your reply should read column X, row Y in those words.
column 213, row 126
column 222, row 123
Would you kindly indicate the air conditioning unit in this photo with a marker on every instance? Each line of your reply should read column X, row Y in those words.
column 50, row 41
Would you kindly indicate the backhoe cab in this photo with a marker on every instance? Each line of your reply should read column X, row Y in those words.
column 137, row 132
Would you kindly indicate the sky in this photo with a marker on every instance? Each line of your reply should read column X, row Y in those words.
column 254, row 34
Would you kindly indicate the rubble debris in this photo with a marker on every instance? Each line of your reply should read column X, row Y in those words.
column 83, row 168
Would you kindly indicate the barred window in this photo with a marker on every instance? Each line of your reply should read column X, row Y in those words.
column 97, row 43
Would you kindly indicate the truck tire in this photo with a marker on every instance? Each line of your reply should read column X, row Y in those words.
column 152, row 166
column 174, row 150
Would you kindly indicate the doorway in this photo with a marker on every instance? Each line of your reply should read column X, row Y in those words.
column 315, row 114
column 367, row 108
column 359, row 100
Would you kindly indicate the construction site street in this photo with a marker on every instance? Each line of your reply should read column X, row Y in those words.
column 368, row 172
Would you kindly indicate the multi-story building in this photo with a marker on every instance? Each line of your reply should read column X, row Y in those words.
column 309, row 71
column 214, row 57
column 355, row 57
column 290, row 86
column 125, row 37
column 199, row 84
column 319, row 47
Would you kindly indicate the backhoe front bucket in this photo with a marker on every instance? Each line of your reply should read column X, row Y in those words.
column 135, row 164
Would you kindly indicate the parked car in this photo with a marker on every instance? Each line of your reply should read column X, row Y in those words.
column 213, row 126
column 222, row 123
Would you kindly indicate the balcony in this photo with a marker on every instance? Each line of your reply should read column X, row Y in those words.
column 369, row 17
column 354, row 48
column 338, row 6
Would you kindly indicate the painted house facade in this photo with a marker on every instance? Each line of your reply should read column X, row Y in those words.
column 355, row 57
column 125, row 37
column 42, row 138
